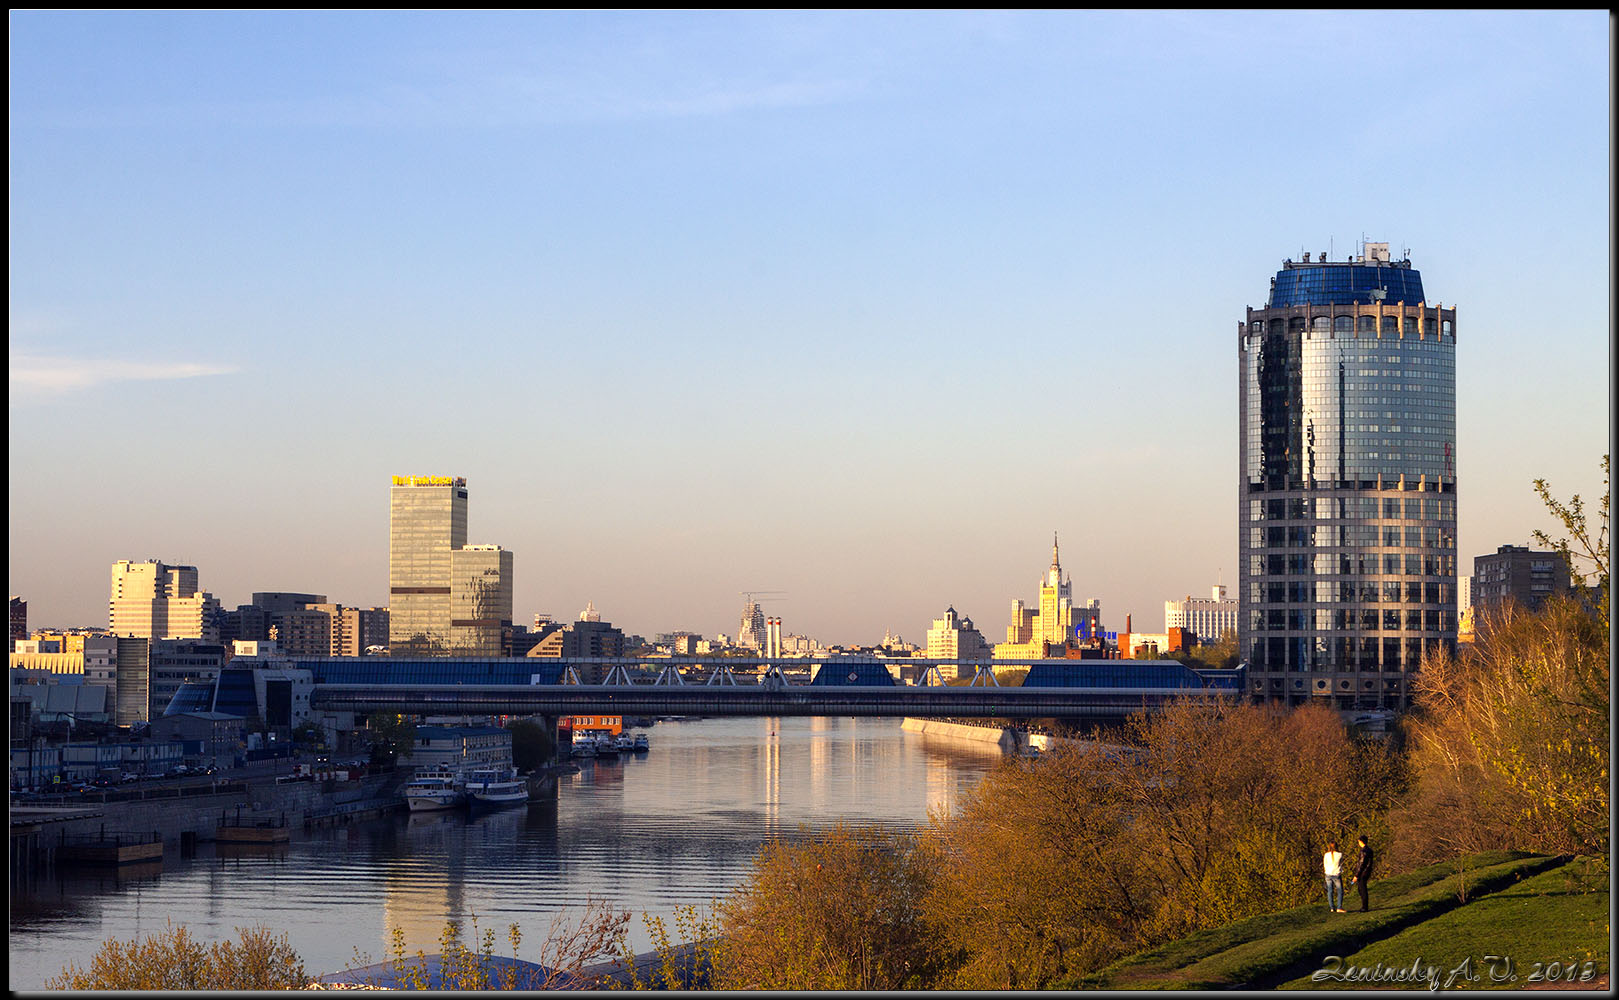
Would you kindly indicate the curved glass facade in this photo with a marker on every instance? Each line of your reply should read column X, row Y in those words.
column 1342, row 284
column 1347, row 506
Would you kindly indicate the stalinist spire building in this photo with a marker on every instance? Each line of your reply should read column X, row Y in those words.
column 1048, row 630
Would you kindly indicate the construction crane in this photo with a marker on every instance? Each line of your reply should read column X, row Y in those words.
column 748, row 594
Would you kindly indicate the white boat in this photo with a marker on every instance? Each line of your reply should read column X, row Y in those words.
column 495, row 787
column 625, row 743
column 584, row 746
column 606, row 745
column 436, row 788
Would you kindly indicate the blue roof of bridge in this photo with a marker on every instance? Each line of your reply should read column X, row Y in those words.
column 853, row 674
column 1127, row 674
column 446, row 670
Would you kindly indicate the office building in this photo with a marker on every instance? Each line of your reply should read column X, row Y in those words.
column 1517, row 574
column 1347, row 481
column 1207, row 618
column 156, row 601
column 480, row 600
column 446, row 598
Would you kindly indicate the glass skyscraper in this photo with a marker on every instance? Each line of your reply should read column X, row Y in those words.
column 1347, row 491
column 427, row 523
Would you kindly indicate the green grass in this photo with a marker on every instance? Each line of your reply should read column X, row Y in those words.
column 1558, row 916
column 1267, row 950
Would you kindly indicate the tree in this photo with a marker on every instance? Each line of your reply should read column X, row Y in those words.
column 174, row 960
column 1510, row 735
column 532, row 746
column 392, row 736
column 1052, row 869
column 1510, row 738
column 835, row 912
column 1587, row 557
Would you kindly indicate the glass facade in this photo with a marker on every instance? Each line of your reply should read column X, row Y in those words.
column 1347, row 509
column 426, row 524
column 1342, row 284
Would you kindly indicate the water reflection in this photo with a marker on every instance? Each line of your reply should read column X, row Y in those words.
column 646, row 832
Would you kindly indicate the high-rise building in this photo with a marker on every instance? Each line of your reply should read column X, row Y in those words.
column 156, row 601
column 427, row 521
column 447, row 598
column 1347, row 481
column 480, row 599
column 751, row 630
column 1048, row 630
column 1208, row 619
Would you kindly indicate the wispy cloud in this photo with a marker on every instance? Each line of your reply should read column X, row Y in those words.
column 42, row 375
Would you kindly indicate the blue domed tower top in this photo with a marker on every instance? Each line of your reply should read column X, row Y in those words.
column 1368, row 278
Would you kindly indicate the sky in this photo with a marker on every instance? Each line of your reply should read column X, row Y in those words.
column 855, row 308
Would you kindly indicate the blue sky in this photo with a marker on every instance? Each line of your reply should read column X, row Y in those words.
column 860, row 307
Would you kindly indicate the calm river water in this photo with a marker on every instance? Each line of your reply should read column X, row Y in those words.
column 647, row 833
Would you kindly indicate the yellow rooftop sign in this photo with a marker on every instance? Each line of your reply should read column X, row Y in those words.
column 430, row 481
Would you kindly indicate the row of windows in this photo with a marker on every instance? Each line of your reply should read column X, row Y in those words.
column 1283, row 620
column 1304, row 508
column 1348, row 324
column 1354, row 535
column 1350, row 592
column 1352, row 564
column 1302, row 653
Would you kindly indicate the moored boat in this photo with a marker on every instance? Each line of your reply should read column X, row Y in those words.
column 434, row 788
column 494, row 787
column 641, row 743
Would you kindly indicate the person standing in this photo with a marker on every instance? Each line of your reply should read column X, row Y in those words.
column 1363, row 873
column 1332, row 867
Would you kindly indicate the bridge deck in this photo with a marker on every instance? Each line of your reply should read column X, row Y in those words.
column 748, row 700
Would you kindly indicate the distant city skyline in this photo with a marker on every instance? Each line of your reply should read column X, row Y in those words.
column 855, row 307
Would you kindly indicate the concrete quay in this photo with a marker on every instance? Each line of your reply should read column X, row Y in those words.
column 183, row 820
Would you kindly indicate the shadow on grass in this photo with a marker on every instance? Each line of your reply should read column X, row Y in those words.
column 1264, row 951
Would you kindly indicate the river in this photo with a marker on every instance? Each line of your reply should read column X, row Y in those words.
column 645, row 832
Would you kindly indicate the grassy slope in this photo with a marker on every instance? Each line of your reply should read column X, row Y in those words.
column 1560, row 916
column 1268, row 950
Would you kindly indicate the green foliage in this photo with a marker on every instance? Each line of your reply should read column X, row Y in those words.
column 1587, row 557
column 174, row 960
column 836, row 912
column 393, row 735
column 532, row 746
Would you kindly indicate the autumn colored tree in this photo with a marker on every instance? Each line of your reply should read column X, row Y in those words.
column 836, row 911
column 1510, row 736
column 1509, row 739
column 1052, row 869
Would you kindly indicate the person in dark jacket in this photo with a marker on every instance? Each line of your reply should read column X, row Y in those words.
column 1363, row 873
